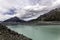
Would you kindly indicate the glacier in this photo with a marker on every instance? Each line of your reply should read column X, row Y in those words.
column 26, row 9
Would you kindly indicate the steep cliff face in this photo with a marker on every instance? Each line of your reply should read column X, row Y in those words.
column 7, row 34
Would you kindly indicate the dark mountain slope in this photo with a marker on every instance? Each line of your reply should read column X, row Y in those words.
column 53, row 15
column 14, row 19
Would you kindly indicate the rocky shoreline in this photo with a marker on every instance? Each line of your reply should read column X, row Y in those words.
column 33, row 23
column 7, row 34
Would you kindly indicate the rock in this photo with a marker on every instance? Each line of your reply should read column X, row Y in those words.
column 53, row 15
column 7, row 34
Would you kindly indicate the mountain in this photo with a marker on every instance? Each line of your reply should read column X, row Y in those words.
column 14, row 19
column 53, row 15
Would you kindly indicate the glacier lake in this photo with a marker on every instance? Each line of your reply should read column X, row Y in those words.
column 38, row 32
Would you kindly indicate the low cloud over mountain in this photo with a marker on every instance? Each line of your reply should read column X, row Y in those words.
column 26, row 9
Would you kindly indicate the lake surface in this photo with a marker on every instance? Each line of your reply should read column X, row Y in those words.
column 38, row 32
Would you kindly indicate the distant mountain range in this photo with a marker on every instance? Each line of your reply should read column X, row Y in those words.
column 53, row 15
column 14, row 19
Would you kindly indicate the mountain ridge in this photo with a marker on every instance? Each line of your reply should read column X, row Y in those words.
column 53, row 15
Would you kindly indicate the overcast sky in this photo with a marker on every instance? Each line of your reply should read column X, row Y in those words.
column 19, row 5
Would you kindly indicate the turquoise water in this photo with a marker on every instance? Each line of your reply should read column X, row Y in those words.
column 38, row 32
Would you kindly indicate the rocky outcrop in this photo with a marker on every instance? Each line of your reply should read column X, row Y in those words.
column 53, row 15
column 7, row 34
